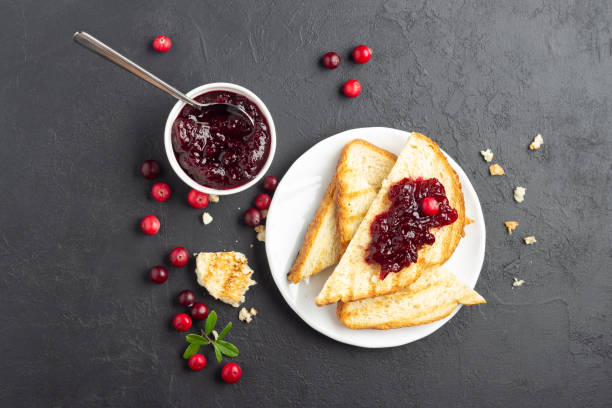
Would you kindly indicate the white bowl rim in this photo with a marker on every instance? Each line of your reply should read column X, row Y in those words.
column 218, row 86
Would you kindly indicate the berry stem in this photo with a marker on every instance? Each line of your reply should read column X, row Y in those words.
column 206, row 336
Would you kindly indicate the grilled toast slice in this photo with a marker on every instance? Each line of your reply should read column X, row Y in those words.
column 321, row 248
column 358, row 161
column 361, row 171
column 225, row 275
column 432, row 297
column 353, row 278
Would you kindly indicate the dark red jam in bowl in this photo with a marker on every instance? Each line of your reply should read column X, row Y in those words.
column 398, row 233
column 215, row 146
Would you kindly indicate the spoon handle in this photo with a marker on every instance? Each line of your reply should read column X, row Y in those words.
column 98, row 47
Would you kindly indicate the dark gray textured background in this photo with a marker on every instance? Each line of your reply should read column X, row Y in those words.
column 82, row 326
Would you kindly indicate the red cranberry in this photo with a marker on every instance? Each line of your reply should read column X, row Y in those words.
column 179, row 257
column 231, row 373
column 270, row 183
column 197, row 362
column 199, row 311
column 158, row 274
column 150, row 225
column 252, row 217
column 186, row 298
column 197, row 199
column 181, row 322
column 162, row 43
column 263, row 201
column 160, row 192
column 430, row 206
column 362, row 54
column 352, row 88
column 149, row 169
column 331, row 60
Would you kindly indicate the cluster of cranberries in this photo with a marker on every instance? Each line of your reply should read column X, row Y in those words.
column 150, row 224
column 179, row 257
column 197, row 310
column 231, row 372
column 161, row 192
column 252, row 216
column 361, row 55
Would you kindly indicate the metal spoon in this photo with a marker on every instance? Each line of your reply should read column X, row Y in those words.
column 98, row 47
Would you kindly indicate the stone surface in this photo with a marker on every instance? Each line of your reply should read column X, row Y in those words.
column 83, row 326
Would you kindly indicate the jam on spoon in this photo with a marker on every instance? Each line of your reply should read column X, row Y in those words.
column 401, row 231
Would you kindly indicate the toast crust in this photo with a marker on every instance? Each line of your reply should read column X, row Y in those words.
column 411, row 306
column 354, row 279
column 371, row 178
column 324, row 221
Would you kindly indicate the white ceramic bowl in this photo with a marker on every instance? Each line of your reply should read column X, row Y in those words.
column 218, row 86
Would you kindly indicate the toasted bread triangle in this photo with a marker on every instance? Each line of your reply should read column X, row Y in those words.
column 353, row 278
column 321, row 249
column 361, row 171
column 432, row 297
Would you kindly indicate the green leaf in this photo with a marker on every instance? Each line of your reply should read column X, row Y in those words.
column 196, row 339
column 191, row 350
column 225, row 331
column 211, row 321
column 217, row 352
column 227, row 348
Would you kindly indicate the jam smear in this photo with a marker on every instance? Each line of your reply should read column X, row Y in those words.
column 215, row 147
column 398, row 233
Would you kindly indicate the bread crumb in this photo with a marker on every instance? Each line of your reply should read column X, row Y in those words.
column 213, row 198
column 215, row 334
column 264, row 213
column 537, row 142
column 529, row 240
column 519, row 194
column 496, row 170
column 207, row 218
column 250, row 245
column 487, row 155
column 245, row 316
column 253, row 311
column 511, row 225
column 261, row 233
column 518, row 282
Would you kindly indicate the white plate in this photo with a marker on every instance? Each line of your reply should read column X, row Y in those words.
column 296, row 199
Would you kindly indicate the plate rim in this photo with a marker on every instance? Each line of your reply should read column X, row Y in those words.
column 441, row 322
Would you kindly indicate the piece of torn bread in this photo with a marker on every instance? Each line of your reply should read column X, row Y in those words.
column 359, row 174
column 432, row 297
column 361, row 171
column 353, row 278
column 225, row 275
